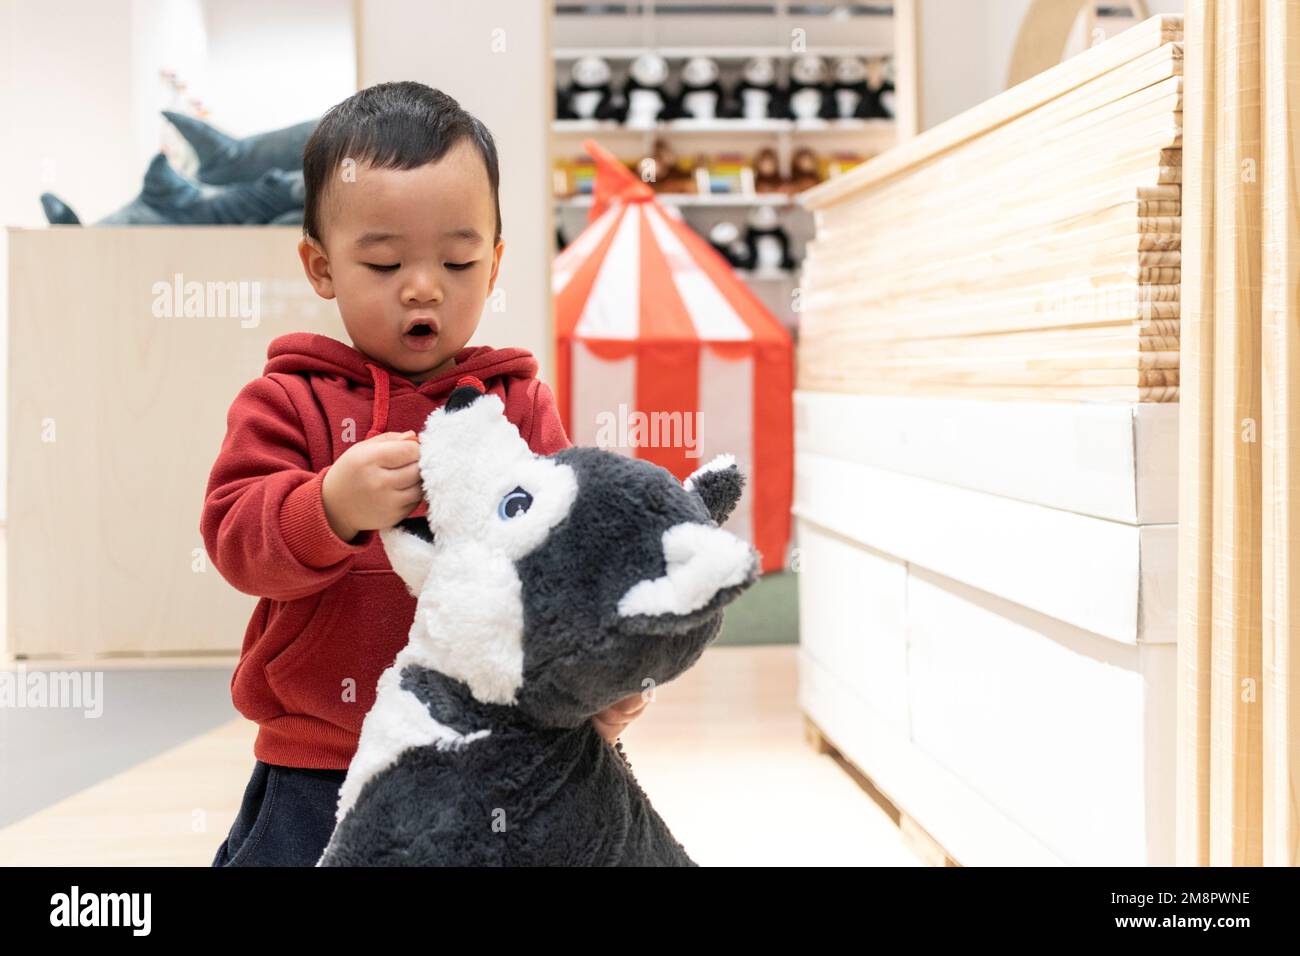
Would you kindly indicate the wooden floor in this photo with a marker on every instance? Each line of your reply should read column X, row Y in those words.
column 721, row 752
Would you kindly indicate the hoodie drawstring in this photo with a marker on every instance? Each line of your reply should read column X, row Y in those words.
column 379, row 410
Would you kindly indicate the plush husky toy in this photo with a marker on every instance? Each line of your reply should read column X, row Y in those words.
column 548, row 588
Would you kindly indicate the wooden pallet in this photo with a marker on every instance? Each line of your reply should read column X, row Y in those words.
column 926, row 847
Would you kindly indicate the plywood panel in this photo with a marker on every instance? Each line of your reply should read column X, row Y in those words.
column 1110, row 461
column 1064, row 732
column 852, row 601
column 115, row 417
column 1089, row 572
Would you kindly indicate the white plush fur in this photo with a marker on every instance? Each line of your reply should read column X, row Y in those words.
column 469, row 618
column 474, row 458
column 701, row 560
column 469, row 610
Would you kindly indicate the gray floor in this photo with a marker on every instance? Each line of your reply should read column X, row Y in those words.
column 47, row 754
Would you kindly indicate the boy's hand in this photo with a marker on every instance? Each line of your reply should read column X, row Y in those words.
column 374, row 484
column 611, row 721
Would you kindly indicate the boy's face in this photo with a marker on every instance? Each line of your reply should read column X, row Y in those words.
column 405, row 248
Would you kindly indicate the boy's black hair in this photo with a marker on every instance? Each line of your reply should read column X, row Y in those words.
column 391, row 126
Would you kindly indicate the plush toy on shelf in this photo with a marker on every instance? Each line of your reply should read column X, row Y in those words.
column 225, row 160
column 809, row 95
column 548, row 588
column 880, row 89
column 769, row 243
column 767, row 172
column 168, row 198
column 589, row 94
column 805, row 171
column 253, row 180
column 645, row 99
column 757, row 96
column 669, row 177
column 726, row 239
column 701, row 95
column 849, row 97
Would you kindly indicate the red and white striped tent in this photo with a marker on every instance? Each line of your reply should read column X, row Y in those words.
column 664, row 353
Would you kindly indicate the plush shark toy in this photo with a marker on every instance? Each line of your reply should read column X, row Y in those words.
column 168, row 198
column 225, row 159
column 548, row 588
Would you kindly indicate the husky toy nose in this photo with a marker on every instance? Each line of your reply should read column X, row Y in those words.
column 701, row 561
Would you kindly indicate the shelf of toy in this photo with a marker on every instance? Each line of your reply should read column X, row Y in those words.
column 882, row 128
column 716, row 52
column 713, row 200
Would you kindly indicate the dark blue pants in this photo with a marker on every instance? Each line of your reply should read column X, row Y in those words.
column 285, row 819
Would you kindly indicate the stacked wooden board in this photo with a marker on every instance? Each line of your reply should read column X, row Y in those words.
column 1028, row 248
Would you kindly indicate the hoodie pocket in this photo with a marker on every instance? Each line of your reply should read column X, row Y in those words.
column 331, row 670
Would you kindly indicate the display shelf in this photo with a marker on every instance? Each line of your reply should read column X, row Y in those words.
column 715, row 52
column 580, row 127
column 677, row 31
column 715, row 200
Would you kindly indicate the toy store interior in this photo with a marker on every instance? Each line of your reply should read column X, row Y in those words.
column 855, row 496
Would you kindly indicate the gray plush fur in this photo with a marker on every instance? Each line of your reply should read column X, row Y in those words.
column 624, row 592
column 225, row 160
column 166, row 197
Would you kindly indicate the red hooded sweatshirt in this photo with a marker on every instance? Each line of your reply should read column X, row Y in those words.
column 333, row 614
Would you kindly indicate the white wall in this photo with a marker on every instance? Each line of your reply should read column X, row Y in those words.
column 272, row 63
column 165, row 34
column 966, row 48
column 65, row 113
column 494, row 58
column 964, row 51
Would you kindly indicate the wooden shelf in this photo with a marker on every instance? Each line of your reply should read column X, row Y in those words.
column 876, row 127
column 716, row 52
column 715, row 200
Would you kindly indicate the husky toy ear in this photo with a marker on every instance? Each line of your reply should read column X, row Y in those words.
column 719, row 483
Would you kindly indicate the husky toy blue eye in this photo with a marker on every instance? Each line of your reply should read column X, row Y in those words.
column 548, row 589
